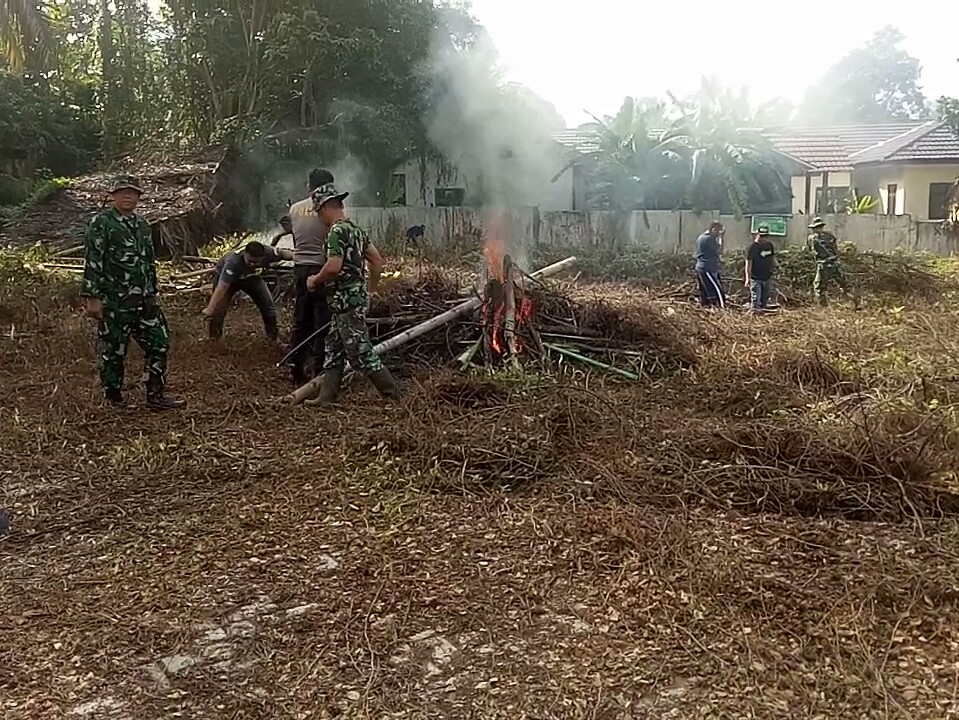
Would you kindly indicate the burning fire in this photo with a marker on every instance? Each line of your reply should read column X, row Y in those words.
column 495, row 252
column 506, row 308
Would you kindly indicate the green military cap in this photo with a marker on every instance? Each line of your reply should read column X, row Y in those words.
column 125, row 182
column 324, row 193
column 817, row 222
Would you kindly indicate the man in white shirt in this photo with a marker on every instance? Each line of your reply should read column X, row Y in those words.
column 311, row 309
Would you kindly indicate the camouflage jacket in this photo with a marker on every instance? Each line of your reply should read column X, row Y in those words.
column 349, row 241
column 824, row 245
column 119, row 257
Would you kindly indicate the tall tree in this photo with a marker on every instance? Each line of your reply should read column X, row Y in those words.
column 878, row 82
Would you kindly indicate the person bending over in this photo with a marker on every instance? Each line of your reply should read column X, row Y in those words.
column 239, row 271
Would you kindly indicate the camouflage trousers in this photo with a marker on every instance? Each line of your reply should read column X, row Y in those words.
column 349, row 339
column 148, row 327
column 831, row 272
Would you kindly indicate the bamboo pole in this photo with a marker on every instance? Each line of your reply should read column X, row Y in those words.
column 68, row 251
column 313, row 386
column 196, row 259
column 201, row 288
column 61, row 266
column 509, row 307
column 590, row 361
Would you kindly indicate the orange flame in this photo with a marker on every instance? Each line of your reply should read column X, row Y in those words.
column 495, row 245
column 525, row 312
column 495, row 252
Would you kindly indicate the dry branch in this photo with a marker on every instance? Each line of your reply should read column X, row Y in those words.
column 310, row 388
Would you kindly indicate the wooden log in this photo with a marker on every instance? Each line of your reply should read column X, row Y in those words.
column 192, row 274
column 311, row 388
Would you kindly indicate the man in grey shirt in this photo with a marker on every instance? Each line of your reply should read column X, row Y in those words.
column 238, row 271
column 311, row 310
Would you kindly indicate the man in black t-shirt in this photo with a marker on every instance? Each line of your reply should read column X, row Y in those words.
column 238, row 271
column 760, row 262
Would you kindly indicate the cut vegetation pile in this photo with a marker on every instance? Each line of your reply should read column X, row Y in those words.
column 764, row 525
column 887, row 276
column 186, row 202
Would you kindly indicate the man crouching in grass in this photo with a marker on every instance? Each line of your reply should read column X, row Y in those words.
column 760, row 263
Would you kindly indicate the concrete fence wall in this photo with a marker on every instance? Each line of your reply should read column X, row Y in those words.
column 663, row 231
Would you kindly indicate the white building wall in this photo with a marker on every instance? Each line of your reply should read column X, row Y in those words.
column 423, row 177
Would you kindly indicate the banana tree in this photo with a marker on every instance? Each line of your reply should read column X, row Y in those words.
column 24, row 29
column 726, row 149
column 861, row 204
column 631, row 164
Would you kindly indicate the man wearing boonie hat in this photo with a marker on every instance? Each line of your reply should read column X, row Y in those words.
column 760, row 262
column 825, row 246
column 120, row 291
column 348, row 250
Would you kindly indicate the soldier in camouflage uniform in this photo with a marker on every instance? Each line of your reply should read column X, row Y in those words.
column 348, row 248
column 120, row 291
column 825, row 246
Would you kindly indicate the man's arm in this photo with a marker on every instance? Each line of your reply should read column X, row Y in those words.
column 217, row 299
column 334, row 259
column 91, row 288
column 228, row 276
column 95, row 242
column 281, row 254
column 278, row 236
column 375, row 261
column 329, row 271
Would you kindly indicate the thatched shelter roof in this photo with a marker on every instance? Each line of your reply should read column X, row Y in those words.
column 187, row 201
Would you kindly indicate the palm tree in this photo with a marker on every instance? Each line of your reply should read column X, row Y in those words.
column 725, row 146
column 24, row 29
column 631, row 160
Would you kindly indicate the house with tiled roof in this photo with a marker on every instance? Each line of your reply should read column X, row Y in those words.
column 910, row 167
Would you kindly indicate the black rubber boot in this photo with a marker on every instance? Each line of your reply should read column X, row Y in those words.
column 332, row 379
column 158, row 399
column 298, row 376
column 115, row 398
column 385, row 382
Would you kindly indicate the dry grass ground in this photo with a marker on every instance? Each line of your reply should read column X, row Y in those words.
column 763, row 529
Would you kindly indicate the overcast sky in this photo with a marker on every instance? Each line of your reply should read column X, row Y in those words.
column 589, row 55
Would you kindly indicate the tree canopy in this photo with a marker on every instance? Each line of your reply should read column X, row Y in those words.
column 114, row 78
column 878, row 82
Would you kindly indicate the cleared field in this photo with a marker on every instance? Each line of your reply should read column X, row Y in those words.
column 763, row 526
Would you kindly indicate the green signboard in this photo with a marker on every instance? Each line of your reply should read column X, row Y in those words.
column 775, row 223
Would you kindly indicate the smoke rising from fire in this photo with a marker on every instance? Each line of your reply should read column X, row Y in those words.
column 495, row 134
column 286, row 180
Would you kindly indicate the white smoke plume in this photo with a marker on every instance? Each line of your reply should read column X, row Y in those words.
column 496, row 135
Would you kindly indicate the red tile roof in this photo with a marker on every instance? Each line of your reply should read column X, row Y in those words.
column 932, row 141
column 831, row 147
